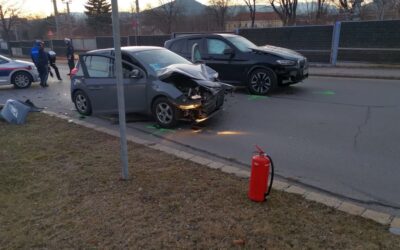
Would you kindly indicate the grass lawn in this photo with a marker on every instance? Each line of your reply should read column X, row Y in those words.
column 60, row 188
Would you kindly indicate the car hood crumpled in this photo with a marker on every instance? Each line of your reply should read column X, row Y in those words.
column 279, row 51
column 201, row 73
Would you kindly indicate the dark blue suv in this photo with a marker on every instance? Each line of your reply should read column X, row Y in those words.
column 242, row 63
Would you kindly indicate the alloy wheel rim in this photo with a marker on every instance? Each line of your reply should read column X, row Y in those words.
column 81, row 103
column 260, row 82
column 164, row 113
column 21, row 80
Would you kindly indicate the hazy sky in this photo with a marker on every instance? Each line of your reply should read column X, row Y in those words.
column 45, row 7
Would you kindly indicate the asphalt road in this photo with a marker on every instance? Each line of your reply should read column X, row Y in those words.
column 334, row 134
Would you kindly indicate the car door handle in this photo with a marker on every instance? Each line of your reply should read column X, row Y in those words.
column 95, row 88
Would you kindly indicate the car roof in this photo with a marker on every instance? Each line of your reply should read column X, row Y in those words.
column 128, row 48
column 204, row 35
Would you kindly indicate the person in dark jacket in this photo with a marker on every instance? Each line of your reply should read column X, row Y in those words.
column 70, row 54
column 42, row 64
column 52, row 61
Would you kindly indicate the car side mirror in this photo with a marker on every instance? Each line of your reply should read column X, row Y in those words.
column 135, row 74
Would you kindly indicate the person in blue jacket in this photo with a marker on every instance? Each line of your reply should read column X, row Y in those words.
column 41, row 61
column 35, row 52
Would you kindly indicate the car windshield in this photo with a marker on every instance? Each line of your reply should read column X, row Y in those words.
column 241, row 43
column 159, row 58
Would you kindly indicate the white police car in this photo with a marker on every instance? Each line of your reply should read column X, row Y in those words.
column 19, row 73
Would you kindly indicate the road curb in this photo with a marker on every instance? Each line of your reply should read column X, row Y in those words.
column 281, row 185
column 356, row 76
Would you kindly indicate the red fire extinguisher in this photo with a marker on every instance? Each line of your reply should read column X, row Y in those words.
column 261, row 166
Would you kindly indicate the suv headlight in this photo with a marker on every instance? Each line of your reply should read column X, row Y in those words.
column 286, row 62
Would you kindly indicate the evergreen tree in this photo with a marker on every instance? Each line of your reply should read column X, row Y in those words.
column 98, row 14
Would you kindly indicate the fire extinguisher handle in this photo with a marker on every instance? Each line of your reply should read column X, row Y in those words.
column 272, row 176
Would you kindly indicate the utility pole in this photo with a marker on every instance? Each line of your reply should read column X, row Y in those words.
column 120, row 88
column 56, row 17
column 137, row 22
column 68, row 2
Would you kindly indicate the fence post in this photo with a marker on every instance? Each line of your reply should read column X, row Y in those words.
column 335, row 42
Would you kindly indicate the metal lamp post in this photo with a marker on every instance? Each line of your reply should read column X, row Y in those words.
column 68, row 2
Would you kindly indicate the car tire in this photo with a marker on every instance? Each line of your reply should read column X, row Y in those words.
column 82, row 103
column 21, row 80
column 165, row 113
column 262, row 81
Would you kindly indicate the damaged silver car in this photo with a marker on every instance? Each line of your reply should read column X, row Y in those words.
column 156, row 81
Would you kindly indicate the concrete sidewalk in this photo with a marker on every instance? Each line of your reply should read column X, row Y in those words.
column 356, row 70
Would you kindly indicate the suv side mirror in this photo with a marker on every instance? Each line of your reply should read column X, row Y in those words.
column 135, row 74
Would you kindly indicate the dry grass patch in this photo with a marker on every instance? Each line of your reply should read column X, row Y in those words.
column 59, row 188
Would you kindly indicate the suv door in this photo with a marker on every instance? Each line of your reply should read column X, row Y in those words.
column 226, row 64
column 99, row 82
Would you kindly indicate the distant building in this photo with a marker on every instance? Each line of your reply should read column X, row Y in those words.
column 263, row 20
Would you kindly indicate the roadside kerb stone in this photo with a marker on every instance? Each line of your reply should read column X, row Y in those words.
column 351, row 208
column 183, row 155
column 200, row 160
column 280, row 185
column 379, row 217
column 243, row 174
column 395, row 222
column 324, row 199
column 230, row 169
column 215, row 165
column 395, row 226
column 296, row 190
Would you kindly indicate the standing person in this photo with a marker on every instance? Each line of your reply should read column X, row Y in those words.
column 42, row 65
column 52, row 61
column 35, row 52
column 70, row 54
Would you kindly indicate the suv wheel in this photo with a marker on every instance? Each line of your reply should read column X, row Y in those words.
column 165, row 113
column 82, row 103
column 21, row 80
column 261, row 81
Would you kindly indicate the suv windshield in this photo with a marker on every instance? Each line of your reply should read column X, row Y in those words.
column 159, row 58
column 241, row 43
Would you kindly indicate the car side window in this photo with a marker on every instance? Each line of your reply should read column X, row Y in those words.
column 216, row 46
column 2, row 61
column 98, row 66
column 178, row 46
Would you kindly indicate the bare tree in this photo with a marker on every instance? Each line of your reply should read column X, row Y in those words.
column 286, row 10
column 251, row 5
column 8, row 16
column 316, row 11
column 386, row 5
column 351, row 8
column 165, row 15
column 219, row 9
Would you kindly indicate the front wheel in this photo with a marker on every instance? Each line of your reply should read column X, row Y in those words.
column 21, row 80
column 165, row 113
column 261, row 81
column 82, row 103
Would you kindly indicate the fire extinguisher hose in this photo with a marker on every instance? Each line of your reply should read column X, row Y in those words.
column 272, row 177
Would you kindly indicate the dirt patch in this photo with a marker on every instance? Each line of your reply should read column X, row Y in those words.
column 60, row 188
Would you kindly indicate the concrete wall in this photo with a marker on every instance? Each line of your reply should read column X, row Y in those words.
column 312, row 41
column 371, row 41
